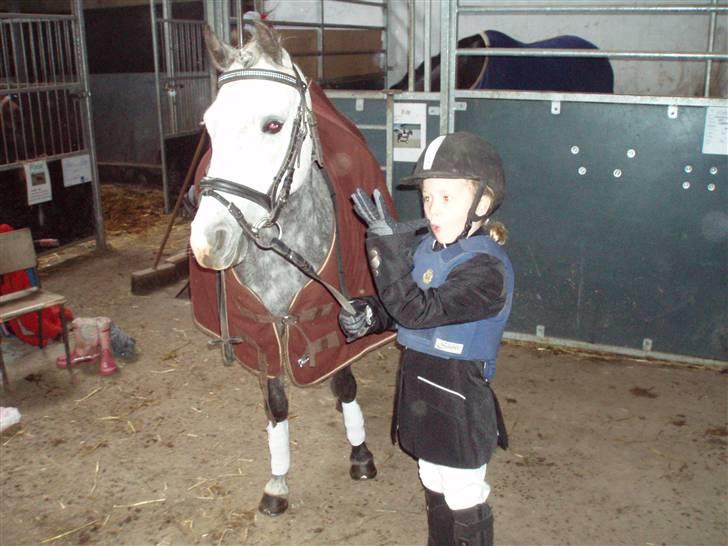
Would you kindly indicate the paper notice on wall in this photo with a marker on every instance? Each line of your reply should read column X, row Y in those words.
column 715, row 134
column 76, row 170
column 410, row 131
column 38, row 182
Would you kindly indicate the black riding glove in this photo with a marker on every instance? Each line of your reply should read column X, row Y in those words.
column 359, row 324
column 377, row 218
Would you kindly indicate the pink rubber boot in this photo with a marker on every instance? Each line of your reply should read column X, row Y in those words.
column 86, row 350
column 77, row 359
column 107, row 366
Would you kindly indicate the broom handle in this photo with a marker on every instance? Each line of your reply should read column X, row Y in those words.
column 190, row 173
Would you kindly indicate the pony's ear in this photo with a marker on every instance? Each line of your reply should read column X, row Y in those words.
column 222, row 55
column 269, row 42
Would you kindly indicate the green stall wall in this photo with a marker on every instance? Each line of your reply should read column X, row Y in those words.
column 618, row 221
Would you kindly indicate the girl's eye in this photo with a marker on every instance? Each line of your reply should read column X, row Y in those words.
column 272, row 127
column 426, row 198
column 445, row 198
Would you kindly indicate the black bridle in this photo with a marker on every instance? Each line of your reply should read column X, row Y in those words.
column 280, row 188
column 277, row 196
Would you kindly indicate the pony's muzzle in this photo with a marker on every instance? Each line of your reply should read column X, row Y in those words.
column 217, row 247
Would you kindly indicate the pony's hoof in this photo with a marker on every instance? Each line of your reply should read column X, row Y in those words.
column 363, row 471
column 362, row 463
column 272, row 505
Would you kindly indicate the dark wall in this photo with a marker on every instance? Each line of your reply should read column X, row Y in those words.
column 68, row 217
column 119, row 40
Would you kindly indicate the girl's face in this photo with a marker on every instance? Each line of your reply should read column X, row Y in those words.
column 447, row 202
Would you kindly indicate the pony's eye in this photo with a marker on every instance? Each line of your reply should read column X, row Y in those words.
column 272, row 127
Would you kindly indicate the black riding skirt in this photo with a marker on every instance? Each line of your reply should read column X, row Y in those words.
column 445, row 411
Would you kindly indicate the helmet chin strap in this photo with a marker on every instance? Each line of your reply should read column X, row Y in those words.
column 472, row 215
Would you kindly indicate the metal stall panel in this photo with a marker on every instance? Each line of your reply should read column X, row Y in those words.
column 183, row 89
column 46, row 118
column 370, row 116
column 617, row 222
column 616, row 219
column 330, row 40
column 184, row 76
column 617, row 216
column 373, row 117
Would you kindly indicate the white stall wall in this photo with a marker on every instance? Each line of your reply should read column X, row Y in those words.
column 683, row 33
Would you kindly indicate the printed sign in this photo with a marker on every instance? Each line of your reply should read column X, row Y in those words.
column 76, row 170
column 38, row 182
column 410, row 130
column 715, row 135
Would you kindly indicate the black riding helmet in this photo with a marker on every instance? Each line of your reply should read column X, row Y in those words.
column 462, row 155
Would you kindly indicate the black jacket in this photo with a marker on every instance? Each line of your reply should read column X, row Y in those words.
column 445, row 411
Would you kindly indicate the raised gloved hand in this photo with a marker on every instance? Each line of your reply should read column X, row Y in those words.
column 359, row 324
column 377, row 218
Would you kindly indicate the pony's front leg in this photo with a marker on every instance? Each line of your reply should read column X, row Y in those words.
column 275, row 494
column 362, row 461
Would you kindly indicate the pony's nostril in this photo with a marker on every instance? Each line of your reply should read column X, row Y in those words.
column 220, row 237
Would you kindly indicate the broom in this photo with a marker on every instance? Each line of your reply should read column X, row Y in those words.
column 175, row 267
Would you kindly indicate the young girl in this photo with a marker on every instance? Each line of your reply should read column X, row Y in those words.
column 449, row 296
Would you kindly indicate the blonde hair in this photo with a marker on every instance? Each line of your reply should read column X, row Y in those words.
column 496, row 230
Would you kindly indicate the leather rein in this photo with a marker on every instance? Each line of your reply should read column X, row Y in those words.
column 263, row 232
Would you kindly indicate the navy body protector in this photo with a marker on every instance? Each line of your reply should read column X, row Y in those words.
column 477, row 340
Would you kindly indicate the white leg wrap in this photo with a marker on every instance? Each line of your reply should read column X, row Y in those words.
column 280, row 451
column 354, row 423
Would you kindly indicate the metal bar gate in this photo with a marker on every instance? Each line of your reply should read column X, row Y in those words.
column 182, row 75
column 44, row 94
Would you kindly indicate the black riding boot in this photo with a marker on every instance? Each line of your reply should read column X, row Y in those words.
column 473, row 526
column 439, row 519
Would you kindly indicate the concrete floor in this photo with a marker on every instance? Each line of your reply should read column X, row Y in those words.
column 172, row 450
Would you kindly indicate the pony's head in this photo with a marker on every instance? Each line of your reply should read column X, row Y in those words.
column 259, row 127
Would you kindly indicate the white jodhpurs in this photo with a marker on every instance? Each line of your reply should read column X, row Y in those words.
column 462, row 487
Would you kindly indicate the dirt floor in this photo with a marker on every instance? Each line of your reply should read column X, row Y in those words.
column 172, row 449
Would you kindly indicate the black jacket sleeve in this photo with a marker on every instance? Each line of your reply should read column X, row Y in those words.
column 474, row 290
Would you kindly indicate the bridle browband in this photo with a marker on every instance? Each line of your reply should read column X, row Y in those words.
column 277, row 196
column 262, row 74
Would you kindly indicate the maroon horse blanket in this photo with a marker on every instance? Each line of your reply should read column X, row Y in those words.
column 311, row 346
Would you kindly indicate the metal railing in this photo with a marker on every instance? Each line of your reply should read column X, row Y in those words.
column 183, row 79
column 238, row 20
column 453, row 10
column 40, row 88
column 183, row 69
